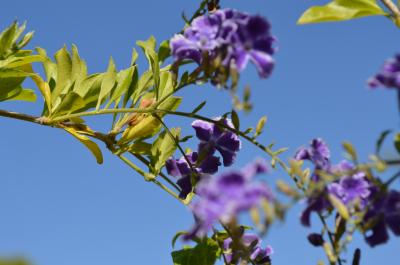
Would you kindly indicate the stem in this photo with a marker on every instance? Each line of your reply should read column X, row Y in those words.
column 19, row 116
column 176, row 143
column 162, row 175
column 331, row 239
column 149, row 177
column 392, row 7
column 392, row 179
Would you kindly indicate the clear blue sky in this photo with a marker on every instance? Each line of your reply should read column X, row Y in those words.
column 59, row 207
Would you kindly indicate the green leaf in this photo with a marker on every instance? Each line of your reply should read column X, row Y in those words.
column 70, row 103
column 164, row 51
column 134, row 57
column 380, row 140
column 171, row 104
column 50, row 68
column 349, row 148
column 397, row 142
column 108, row 83
column 92, row 146
column 339, row 206
column 166, row 86
column 199, row 107
column 25, row 95
column 235, row 120
column 148, row 48
column 339, row 10
column 163, row 148
column 260, row 126
column 204, row 253
column 124, row 79
column 141, row 148
column 64, row 73
column 176, row 236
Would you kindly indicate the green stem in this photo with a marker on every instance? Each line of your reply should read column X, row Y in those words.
column 162, row 175
column 149, row 177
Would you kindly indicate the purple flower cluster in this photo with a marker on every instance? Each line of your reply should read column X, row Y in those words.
column 180, row 169
column 212, row 138
column 234, row 37
column 198, row 165
column 252, row 243
column 388, row 76
column 350, row 188
column 383, row 208
column 385, row 213
column 223, row 197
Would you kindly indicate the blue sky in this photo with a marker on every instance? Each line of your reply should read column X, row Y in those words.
column 59, row 207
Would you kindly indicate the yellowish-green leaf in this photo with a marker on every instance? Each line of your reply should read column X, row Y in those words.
column 339, row 10
column 25, row 95
column 339, row 206
column 92, row 146
column 349, row 148
column 260, row 126
column 163, row 148
column 108, row 83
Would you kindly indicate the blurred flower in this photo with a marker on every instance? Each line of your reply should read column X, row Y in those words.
column 388, row 76
column 384, row 213
column 351, row 188
column 318, row 153
column 232, row 36
column 223, row 197
column 181, row 169
column 213, row 138
column 252, row 245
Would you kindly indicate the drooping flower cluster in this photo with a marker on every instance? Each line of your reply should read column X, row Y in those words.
column 231, row 36
column 252, row 247
column 388, row 76
column 352, row 186
column 223, row 197
column 200, row 164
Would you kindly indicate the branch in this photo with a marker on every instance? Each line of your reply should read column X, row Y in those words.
column 392, row 7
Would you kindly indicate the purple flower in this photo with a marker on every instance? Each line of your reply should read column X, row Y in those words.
column 388, row 76
column 223, row 197
column 213, row 138
column 252, row 245
column 351, row 188
column 181, row 169
column 235, row 37
column 384, row 213
column 318, row 154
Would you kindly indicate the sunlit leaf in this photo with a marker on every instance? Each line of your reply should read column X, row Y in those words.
column 163, row 148
column 339, row 10
column 204, row 253
column 92, row 146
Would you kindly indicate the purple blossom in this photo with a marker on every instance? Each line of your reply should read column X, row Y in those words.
column 181, row 169
column 385, row 213
column 252, row 243
column 235, row 37
column 223, row 197
column 351, row 188
column 213, row 138
column 318, row 153
column 388, row 76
